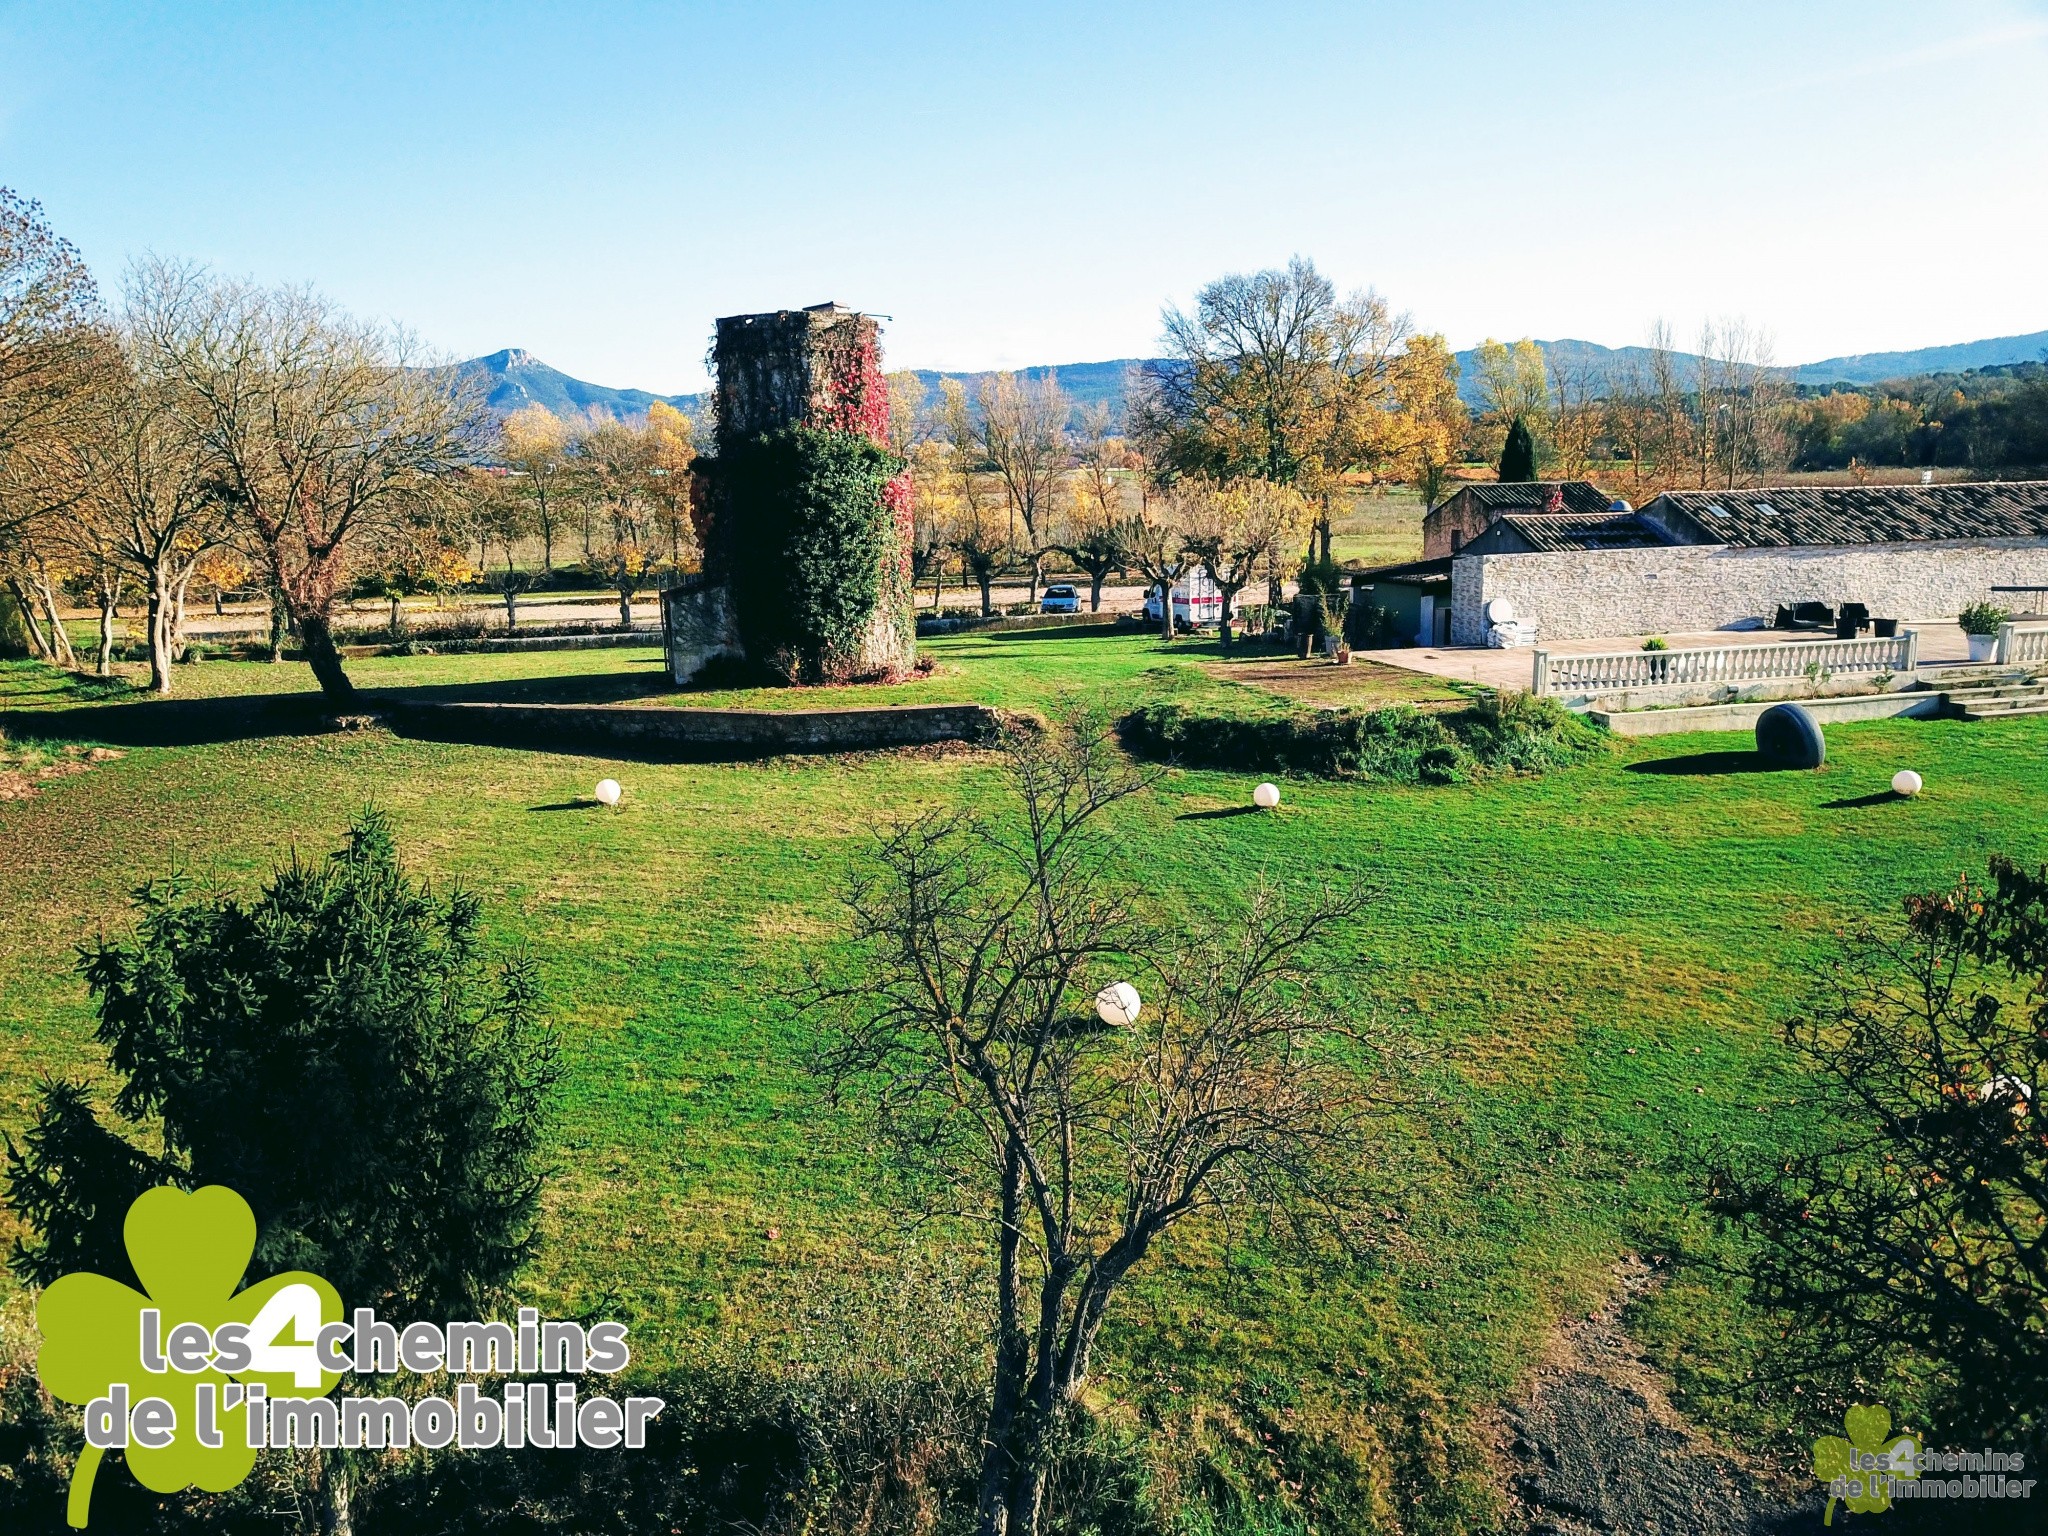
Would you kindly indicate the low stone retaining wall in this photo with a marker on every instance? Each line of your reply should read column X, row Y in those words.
column 974, row 622
column 1743, row 717
column 590, row 640
column 693, row 734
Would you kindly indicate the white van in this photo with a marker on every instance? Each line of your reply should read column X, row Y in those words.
column 1196, row 602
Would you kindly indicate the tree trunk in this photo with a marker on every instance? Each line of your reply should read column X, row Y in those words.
column 1036, row 575
column 1095, row 590
column 31, row 624
column 317, row 636
column 277, row 625
column 998, row 1448
column 159, row 635
column 60, row 642
column 987, row 605
column 1166, row 611
column 1223, row 624
column 1026, row 1499
column 336, row 1518
column 104, row 662
column 626, row 607
column 511, row 608
column 395, row 620
column 178, row 618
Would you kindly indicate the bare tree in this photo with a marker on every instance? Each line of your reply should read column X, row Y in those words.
column 615, row 466
column 534, row 443
column 155, row 493
column 1236, row 530
column 1095, row 529
column 323, row 432
column 1240, row 1093
column 1276, row 377
column 1160, row 540
column 986, row 546
column 1023, row 434
column 51, row 348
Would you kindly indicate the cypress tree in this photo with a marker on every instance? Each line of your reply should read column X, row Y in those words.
column 1518, row 458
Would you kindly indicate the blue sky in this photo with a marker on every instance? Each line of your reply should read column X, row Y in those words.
column 1019, row 184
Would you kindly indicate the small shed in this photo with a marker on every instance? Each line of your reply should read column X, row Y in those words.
column 1417, row 594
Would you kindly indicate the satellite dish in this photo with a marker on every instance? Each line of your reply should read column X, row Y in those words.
column 1500, row 611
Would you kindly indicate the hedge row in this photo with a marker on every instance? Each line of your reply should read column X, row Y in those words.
column 1397, row 744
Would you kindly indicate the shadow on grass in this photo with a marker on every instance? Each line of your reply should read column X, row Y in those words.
column 1882, row 797
column 565, row 805
column 1707, row 764
column 1218, row 815
column 174, row 722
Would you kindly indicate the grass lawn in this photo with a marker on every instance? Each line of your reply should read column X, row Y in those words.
column 1599, row 955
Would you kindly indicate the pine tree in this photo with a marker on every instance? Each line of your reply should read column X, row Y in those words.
column 1518, row 458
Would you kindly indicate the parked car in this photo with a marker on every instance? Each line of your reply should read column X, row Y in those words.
column 1194, row 605
column 1060, row 597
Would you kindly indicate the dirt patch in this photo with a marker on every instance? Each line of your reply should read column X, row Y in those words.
column 1596, row 1448
column 1362, row 684
column 23, row 772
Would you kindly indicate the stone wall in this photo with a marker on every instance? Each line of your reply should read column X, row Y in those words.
column 697, row 628
column 1699, row 587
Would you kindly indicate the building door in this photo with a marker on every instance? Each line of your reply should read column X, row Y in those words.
column 1443, row 624
column 1425, row 625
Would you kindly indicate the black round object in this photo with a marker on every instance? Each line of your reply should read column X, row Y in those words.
column 1790, row 737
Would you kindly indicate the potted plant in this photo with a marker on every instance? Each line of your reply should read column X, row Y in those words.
column 1982, row 622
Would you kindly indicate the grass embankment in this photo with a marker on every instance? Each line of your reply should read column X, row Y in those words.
column 1599, row 954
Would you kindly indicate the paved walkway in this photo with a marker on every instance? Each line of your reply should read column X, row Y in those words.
column 1515, row 668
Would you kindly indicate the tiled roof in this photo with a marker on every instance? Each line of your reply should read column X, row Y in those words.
column 1563, row 533
column 1580, row 496
column 1864, row 514
column 1411, row 571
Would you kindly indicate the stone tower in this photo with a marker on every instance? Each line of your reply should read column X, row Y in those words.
column 817, row 367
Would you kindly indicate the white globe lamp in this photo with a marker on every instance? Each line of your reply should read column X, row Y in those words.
column 1906, row 783
column 1266, row 796
column 609, row 792
column 1118, row 1004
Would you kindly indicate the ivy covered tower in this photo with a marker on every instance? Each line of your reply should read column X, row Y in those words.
column 803, row 515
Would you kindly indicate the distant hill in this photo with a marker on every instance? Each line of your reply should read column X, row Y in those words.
column 514, row 378
column 1877, row 367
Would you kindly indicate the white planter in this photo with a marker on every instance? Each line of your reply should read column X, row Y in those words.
column 1982, row 647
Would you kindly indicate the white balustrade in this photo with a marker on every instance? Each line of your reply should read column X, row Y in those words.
column 2021, row 644
column 1728, row 665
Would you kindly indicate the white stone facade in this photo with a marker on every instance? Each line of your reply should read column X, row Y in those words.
column 1689, row 588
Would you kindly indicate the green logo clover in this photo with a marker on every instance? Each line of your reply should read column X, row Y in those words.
column 1833, row 1457
column 190, row 1252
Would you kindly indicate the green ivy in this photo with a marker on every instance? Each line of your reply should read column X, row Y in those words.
column 810, row 544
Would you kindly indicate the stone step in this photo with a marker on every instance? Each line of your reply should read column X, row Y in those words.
column 1996, row 691
column 1981, row 715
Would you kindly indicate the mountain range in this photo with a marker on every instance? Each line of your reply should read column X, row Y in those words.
column 514, row 378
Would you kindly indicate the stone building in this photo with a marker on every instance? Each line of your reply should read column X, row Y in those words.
column 1469, row 511
column 816, row 367
column 1693, row 561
